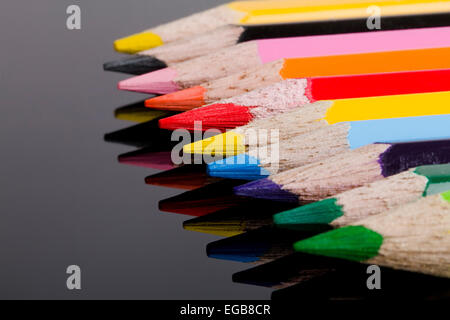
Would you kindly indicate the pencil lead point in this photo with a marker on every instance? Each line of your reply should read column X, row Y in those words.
column 226, row 144
column 321, row 212
column 265, row 189
column 136, row 65
column 221, row 116
column 186, row 99
column 138, row 42
column 158, row 82
column 242, row 166
column 355, row 243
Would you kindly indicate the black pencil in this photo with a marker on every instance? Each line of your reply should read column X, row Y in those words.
column 179, row 51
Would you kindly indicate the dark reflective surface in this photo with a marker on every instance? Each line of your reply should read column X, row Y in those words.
column 64, row 197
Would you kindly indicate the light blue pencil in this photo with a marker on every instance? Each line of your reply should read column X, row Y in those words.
column 329, row 141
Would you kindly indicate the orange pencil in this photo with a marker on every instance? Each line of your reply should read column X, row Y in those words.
column 354, row 64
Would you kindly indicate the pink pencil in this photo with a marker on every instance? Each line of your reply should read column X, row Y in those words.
column 253, row 54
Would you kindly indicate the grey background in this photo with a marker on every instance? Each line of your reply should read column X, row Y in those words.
column 64, row 198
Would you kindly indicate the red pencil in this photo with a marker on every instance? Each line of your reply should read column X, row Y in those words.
column 294, row 93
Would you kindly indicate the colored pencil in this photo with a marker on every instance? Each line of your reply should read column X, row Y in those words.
column 140, row 135
column 413, row 237
column 187, row 177
column 278, row 97
column 340, row 65
column 205, row 200
column 137, row 112
column 136, row 64
column 320, row 144
column 343, row 11
column 186, row 27
column 346, row 171
column 262, row 103
column 269, row 12
column 351, row 285
column 307, row 118
column 236, row 220
column 375, row 198
column 254, row 54
column 258, row 246
column 177, row 51
column 227, row 36
column 210, row 20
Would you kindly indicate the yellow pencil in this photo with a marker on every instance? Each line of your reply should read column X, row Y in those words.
column 271, row 12
column 306, row 118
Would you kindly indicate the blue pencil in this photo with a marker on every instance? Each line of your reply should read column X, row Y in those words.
column 329, row 141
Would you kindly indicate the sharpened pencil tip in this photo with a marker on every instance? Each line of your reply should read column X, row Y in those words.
column 321, row 212
column 158, row 82
column 138, row 42
column 355, row 243
column 242, row 167
column 186, row 99
column 265, row 189
column 219, row 116
column 226, row 144
column 136, row 65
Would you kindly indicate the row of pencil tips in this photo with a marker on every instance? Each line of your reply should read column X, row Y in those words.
column 314, row 144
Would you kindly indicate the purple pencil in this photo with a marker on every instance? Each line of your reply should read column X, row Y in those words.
column 346, row 171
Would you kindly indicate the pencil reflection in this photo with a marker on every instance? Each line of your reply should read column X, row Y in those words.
column 138, row 113
column 258, row 246
column 229, row 222
column 187, row 177
column 351, row 284
column 204, row 200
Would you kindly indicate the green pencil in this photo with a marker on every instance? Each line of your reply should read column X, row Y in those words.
column 371, row 199
column 413, row 237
